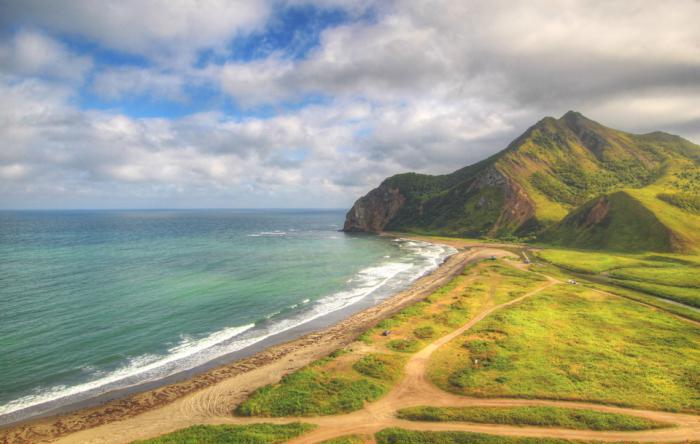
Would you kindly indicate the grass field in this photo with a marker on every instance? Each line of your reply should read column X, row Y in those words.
column 672, row 277
column 326, row 387
column 489, row 282
column 684, row 295
column 569, row 342
column 229, row 434
column 401, row 436
column 684, row 311
column 532, row 416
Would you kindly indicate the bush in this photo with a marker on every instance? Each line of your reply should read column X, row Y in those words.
column 383, row 367
column 403, row 345
column 426, row 332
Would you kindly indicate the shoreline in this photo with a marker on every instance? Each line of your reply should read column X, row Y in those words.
column 60, row 406
column 266, row 366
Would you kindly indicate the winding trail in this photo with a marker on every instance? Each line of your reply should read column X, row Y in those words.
column 414, row 389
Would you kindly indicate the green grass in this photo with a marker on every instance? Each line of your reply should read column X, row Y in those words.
column 404, row 345
column 588, row 262
column 689, row 202
column 627, row 225
column 451, row 306
column 425, row 332
column 384, row 367
column 688, row 296
column 568, row 342
column 532, row 416
column 683, row 311
column 672, row 277
column 676, row 275
column 401, row 436
column 310, row 392
column 322, row 390
column 233, row 434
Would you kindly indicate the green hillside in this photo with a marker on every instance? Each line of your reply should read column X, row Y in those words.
column 555, row 181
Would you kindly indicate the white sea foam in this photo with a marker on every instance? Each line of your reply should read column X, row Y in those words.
column 142, row 368
column 377, row 281
column 268, row 233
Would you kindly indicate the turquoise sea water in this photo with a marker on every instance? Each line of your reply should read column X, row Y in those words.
column 93, row 301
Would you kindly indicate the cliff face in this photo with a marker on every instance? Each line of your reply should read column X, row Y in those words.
column 372, row 212
column 552, row 169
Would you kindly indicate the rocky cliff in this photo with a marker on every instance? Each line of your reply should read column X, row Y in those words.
column 373, row 212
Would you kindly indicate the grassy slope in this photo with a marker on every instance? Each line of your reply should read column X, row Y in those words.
column 673, row 277
column 571, row 343
column 684, row 223
column 534, row 416
column 223, row 434
column 641, row 219
column 628, row 226
column 452, row 305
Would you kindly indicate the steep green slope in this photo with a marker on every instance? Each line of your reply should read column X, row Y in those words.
column 658, row 217
column 557, row 167
column 614, row 221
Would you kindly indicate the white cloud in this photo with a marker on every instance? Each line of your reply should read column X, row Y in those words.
column 54, row 152
column 168, row 31
column 34, row 54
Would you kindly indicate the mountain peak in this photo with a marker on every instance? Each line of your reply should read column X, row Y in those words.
column 571, row 114
column 576, row 119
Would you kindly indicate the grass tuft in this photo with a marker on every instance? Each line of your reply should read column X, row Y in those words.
column 233, row 434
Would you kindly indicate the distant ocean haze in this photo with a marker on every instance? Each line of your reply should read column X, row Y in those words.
column 93, row 301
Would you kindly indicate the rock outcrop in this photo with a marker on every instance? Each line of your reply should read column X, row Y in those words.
column 372, row 212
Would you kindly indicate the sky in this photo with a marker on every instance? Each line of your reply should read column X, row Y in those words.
column 295, row 103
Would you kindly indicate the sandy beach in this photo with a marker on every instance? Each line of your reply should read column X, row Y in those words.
column 216, row 391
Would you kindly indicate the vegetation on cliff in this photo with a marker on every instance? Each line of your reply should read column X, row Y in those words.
column 570, row 181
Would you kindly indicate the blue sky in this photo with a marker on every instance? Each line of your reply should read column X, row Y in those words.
column 301, row 103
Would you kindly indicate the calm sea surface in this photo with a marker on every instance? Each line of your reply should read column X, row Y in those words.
column 93, row 301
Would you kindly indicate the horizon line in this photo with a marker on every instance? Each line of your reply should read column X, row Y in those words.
column 175, row 209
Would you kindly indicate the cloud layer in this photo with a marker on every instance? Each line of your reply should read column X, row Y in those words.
column 145, row 104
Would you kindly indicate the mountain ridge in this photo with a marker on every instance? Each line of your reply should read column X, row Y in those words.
column 529, row 188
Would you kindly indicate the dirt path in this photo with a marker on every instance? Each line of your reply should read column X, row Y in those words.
column 415, row 389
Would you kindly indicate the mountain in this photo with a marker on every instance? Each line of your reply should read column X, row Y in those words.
column 570, row 181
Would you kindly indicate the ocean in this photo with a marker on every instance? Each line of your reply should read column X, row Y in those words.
column 97, row 301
